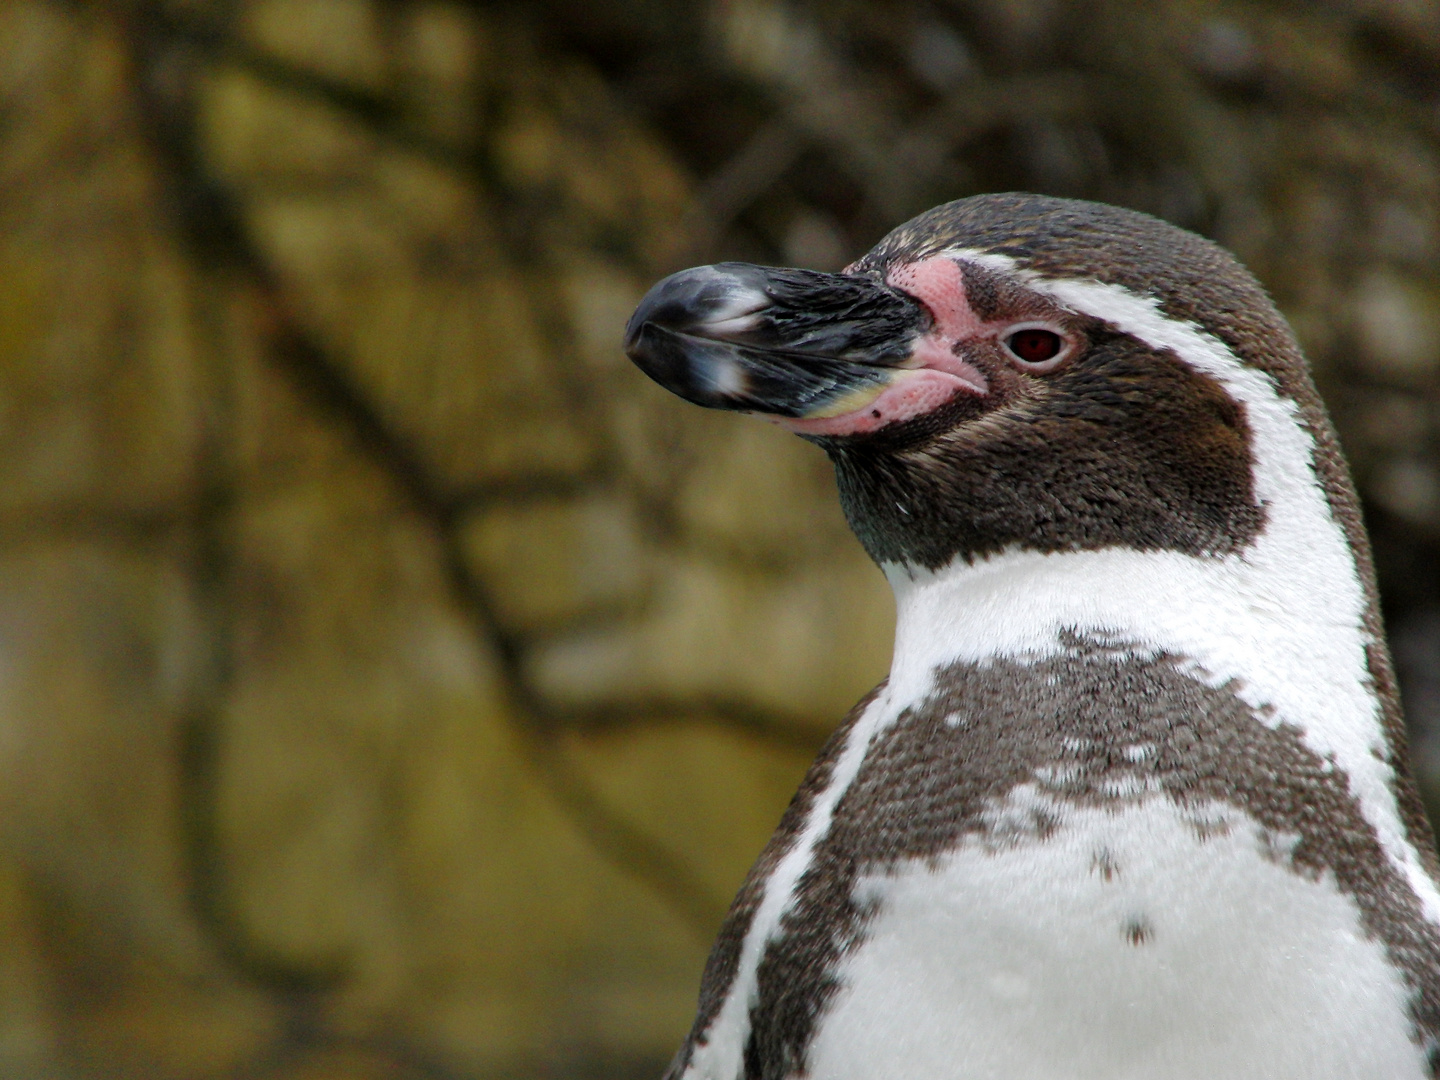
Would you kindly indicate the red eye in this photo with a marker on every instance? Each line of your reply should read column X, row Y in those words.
column 1036, row 345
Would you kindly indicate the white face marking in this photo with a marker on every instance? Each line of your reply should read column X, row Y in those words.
column 1123, row 947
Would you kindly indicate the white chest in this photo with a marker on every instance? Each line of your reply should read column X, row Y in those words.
column 1148, row 943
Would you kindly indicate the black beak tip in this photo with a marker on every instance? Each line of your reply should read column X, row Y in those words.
column 632, row 332
column 684, row 366
column 682, row 303
column 649, row 350
column 690, row 298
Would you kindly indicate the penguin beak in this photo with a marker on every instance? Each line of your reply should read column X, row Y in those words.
column 793, row 344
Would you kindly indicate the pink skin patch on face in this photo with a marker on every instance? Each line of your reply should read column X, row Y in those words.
column 934, row 373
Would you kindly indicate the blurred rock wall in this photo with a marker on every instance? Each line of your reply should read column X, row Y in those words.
column 393, row 683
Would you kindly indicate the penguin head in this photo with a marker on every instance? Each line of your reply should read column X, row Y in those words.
column 1005, row 371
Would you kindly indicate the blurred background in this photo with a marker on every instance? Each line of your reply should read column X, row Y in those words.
column 393, row 683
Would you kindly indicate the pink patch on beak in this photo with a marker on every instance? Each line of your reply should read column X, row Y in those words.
column 934, row 373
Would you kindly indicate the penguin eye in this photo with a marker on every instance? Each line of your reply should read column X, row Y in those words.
column 1036, row 349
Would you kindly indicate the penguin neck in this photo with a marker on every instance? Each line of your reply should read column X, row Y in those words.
column 1283, row 620
column 1284, row 616
column 1278, row 621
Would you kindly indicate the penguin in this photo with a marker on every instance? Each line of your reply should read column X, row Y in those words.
column 1133, row 801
